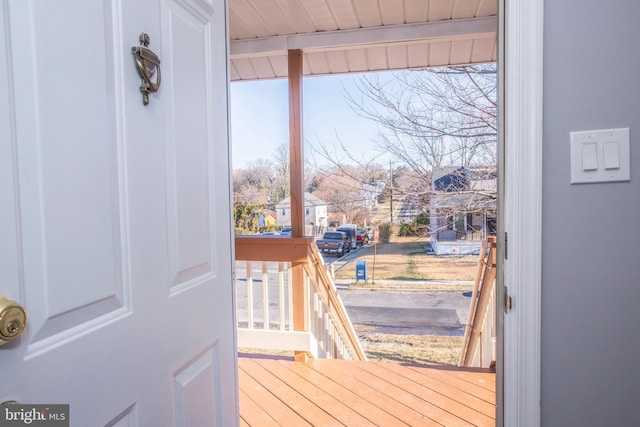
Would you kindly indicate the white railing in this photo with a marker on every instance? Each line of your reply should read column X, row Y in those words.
column 263, row 304
column 479, row 343
column 267, row 287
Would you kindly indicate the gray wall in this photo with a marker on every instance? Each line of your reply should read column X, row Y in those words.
column 591, row 233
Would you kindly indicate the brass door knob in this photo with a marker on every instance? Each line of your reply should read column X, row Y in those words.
column 13, row 319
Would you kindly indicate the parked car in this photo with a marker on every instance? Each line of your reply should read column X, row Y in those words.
column 350, row 231
column 362, row 238
column 286, row 231
column 334, row 242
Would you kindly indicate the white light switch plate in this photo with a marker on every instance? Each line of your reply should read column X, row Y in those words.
column 600, row 156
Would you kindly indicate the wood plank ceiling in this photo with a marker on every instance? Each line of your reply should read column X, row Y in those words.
column 345, row 36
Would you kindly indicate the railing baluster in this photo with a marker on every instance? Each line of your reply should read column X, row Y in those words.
column 265, row 295
column 249, row 295
column 290, row 294
column 311, row 318
column 328, row 326
column 281, row 294
column 316, row 319
column 326, row 338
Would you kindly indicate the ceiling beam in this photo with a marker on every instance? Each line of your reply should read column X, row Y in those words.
column 327, row 40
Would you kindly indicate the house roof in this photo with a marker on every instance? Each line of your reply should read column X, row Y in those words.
column 449, row 178
column 309, row 200
column 345, row 36
column 466, row 201
column 465, row 188
column 454, row 178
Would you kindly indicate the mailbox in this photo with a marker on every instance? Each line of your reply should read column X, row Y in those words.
column 361, row 270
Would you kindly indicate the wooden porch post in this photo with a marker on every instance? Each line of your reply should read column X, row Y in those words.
column 296, row 152
column 296, row 164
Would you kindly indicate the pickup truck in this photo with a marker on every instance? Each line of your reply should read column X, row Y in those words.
column 334, row 242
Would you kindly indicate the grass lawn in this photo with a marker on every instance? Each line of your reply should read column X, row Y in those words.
column 410, row 349
column 405, row 258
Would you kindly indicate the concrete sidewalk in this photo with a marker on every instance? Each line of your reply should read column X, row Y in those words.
column 407, row 285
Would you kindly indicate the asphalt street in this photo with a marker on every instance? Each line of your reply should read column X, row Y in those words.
column 440, row 312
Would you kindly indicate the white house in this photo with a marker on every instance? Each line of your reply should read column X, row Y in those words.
column 371, row 192
column 462, row 209
column 315, row 214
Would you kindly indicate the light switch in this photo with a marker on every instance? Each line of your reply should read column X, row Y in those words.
column 611, row 154
column 600, row 156
column 590, row 156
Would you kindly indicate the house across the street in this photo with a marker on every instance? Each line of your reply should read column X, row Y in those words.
column 315, row 214
column 462, row 209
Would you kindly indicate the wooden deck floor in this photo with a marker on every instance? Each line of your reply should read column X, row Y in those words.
column 336, row 392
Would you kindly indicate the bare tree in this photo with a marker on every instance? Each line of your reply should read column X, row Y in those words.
column 343, row 195
column 443, row 120
column 433, row 118
column 429, row 118
column 254, row 184
column 264, row 181
column 339, row 159
column 281, row 188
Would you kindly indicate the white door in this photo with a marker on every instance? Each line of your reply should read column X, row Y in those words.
column 115, row 231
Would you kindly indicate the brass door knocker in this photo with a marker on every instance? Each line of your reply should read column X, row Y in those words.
column 146, row 64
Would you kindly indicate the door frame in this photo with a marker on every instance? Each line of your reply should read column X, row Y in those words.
column 520, row 244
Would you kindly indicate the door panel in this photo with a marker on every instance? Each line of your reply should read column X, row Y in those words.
column 117, row 215
column 196, row 386
column 189, row 191
column 66, row 136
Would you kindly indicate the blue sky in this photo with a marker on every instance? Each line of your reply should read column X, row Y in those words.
column 260, row 114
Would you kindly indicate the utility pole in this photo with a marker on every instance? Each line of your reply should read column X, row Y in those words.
column 390, row 194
